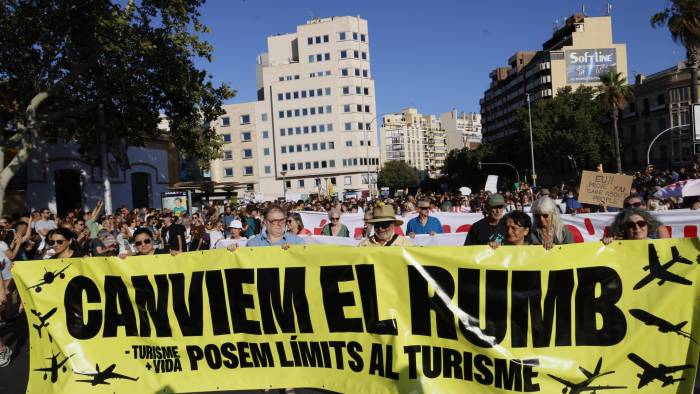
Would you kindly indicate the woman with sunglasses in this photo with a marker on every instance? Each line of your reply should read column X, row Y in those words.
column 548, row 229
column 335, row 228
column 60, row 241
column 295, row 225
column 633, row 224
column 143, row 242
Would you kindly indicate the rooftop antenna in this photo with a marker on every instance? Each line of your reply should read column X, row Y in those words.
column 608, row 10
column 555, row 25
column 583, row 9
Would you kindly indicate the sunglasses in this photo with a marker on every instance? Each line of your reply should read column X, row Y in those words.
column 144, row 242
column 636, row 205
column 634, row 225
column 334, row 219
column 541, row 215
column 423, row 208
column 289, row 221
column 383, row 224
column 52, row 242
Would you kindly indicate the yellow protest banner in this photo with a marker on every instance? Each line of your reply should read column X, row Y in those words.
column 577, row 318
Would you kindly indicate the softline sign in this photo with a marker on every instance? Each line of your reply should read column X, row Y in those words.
column 586, row 65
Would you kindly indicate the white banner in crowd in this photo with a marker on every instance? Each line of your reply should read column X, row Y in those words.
column 682, row 223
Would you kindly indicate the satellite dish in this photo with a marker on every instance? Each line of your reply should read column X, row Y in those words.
column 465, row 191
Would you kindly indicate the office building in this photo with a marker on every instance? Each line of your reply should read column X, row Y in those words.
column 576, row 54
column 661, row 101
column 316, row 111
column 462, row 130
column 416, row 139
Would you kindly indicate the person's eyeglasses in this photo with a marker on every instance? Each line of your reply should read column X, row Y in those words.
column 633, row 225
column 144, row 242
column 289, row 221
column 383, row 224
column 52, row 242
column 424, row 208
column 542, row 215
column 276, row 221
column 634, row 204
column 334, row 219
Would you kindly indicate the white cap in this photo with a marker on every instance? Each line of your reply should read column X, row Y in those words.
column 236, row 224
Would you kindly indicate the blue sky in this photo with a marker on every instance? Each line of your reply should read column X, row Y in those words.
column 434, row 55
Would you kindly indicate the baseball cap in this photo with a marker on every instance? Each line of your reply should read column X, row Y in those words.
column 236, row 224
column 496, row 200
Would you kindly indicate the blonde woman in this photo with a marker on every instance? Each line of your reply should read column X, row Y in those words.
column 548, row 229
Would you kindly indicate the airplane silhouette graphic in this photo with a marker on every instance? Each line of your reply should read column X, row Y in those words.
column 585, row 385
column 660, row 373
column 100, row 377
column 660, row 272
column 42, row 319
column 48, row 278
column 663, row 325
column 55, row 366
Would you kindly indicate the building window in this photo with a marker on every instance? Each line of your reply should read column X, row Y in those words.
column 301, row 183
column 363, row 38
column 268, row 169
column 343, row 54
column 228, row 172
column 296, row 95
column 310, row 40
column 366, row 91
column 228, row 155
column 325, row 38
column 348, row 126
column 288, row 184
column 346, row 108
column 245, row 119
column 281, row 114
column 331, row 145
column 284, row 149
column 354, row 36
column 247, row 153
column 245, row 136
column 227, row 138
column 311, row 58
column 331, row 163
column 348, row 180
column 314, row 146
column 326, row 56
column 280, row 97
column 225, row 121
column 357, row 72
column 288, row 96
column 329, row 109
column 266, row 151
column 263, row 117
column 348, row 143
column 248, row 170
column 344, row 72
column 329, row 127
column 284, row 167
column 341, row 36
column 318, row 39
column 292, row 166
column 346, row 89
column 364, row 73
column 356, row 54
column 364, row 55
column 315, row 164
column 265, row 134
column 324, row 164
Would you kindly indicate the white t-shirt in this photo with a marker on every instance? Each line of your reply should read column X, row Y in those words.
column 214, row 237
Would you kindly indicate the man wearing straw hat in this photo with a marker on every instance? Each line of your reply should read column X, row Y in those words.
column 383, row 222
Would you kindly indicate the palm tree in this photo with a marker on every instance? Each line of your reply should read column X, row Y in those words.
column 683, row 20
column 614, row 94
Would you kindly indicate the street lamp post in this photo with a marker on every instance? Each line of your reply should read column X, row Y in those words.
column 284, row 185
column 657, row 137
column 532, row 146
column 367, row 130
column 517, row 174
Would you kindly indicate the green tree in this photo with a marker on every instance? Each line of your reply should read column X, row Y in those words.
column 397, row 175
column 614, row 93
column 682, row 17
column 461, row 167
column 61, row 60
column 565, row 128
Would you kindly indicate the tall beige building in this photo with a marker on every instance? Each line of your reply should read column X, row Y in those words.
column 417, row 139
column 575, row 55
column 463, row 130
column 317, row 111
column 238, row 169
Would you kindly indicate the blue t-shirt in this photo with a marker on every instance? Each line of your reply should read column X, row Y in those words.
column 415, row 226
column 262, row 240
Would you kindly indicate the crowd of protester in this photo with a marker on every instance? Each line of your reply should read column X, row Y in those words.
column 520, row 217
